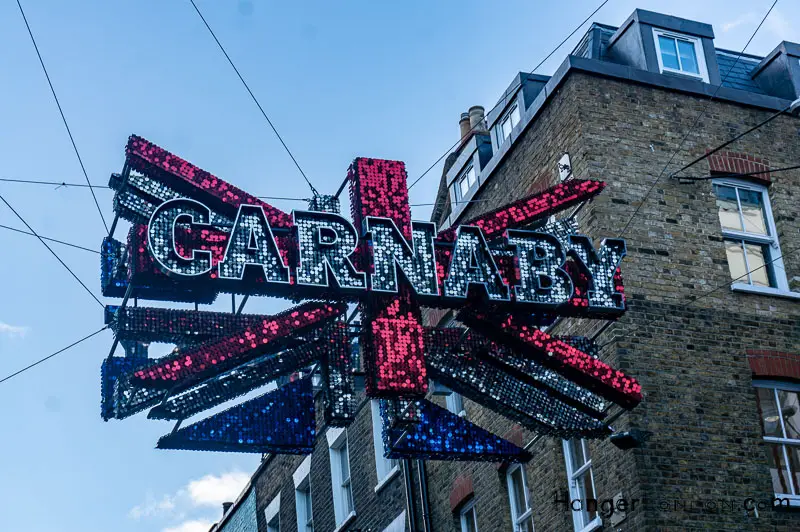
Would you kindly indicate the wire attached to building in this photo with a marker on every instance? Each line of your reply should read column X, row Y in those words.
column 64, row 264
column 253, row 96
column 63, row 117
column 48, row 357
column 731, row 176
column 694, row 125
column 790, row 108
column 503, row 100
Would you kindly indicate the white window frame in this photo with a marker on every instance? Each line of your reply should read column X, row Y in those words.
column 398, row 525
column 580, row 518
column 468, row 508
column 794, row 498
column 517, row 516
column 771, row 240
column 468, row 176
column 339, row 450
column 273, row 512
column 512, row 119
column 302, row 492
column 698, row 51
column 385, row 468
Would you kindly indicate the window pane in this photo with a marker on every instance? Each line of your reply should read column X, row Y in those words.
column 471, row 176
column 753, row 211
column 348, row 499
column 777, row 468
column 794, row 465
column 769, row 412
column 790, row 413
column 468, row 521
column 514, row 115
column 463, row 186
column 587, row 490
column 688, row 57
column 519, row 491
column 728, row 208
column 736, row 263
column 343, row 460
column 507, row 127
column 669, row 57
column 576, row 454
column 757, row 258
column 307, row 501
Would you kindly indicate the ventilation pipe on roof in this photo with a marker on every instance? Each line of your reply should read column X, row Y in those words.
column 477, row 119
column 225, row 507
column 463, row 125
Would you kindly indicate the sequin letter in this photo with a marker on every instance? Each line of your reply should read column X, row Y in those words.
column 325, row 242
column 252, row 244
column 541, row 260
column 391, row 250
column 161, row 237
column 472, row 263
column 601, row 266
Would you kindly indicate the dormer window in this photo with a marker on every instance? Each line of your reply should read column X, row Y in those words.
column 465, row 182
column 508, row 122
column 680, row 54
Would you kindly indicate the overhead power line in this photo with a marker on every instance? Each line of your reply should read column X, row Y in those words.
column 694, row 125
column 63, row 117
column 67, row 185
column 253, row 96
column 48, row 357
column 503, row 101
column 64, row 264
column 53, row 183
column 50, row 239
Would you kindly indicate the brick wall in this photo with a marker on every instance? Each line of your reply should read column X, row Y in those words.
column 692, row 342
column 699, row 410
column 374, row 510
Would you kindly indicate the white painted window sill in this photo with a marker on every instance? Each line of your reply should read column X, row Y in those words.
column 388, row 478
column 595, row 524
column 764, row 291
column 347, row 520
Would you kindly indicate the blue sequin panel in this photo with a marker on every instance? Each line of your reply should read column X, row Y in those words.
column 281, row 421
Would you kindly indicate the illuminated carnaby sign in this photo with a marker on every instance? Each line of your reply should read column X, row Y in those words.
column 505, row 273
column 326, row 247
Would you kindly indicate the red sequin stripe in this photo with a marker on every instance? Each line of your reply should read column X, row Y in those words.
column 379, row 188
column 525, row 211
column 213, row 358
column 146, row 157
column 560, row 356
column 394, row 343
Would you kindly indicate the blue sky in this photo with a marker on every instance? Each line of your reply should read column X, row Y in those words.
column 373, row 79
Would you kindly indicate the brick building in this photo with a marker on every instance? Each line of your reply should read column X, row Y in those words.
column 712, row 283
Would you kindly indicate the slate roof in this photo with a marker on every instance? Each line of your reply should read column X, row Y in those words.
column 739, row 77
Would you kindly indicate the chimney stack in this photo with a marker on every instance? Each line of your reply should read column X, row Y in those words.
column 476, row 118
column 463, row 124
column 225, row 507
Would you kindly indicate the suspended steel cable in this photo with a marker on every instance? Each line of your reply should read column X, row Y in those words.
column 694, row 125
column 791, row 107
column 503, row 101
column 48, row 357
column 64, row 264
column 63, row 117
column 253, row 96
column 50, row 239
